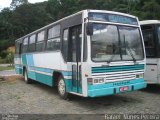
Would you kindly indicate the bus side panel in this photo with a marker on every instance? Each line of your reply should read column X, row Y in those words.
column 18, row 64
column 45, row 79
column 30, row 64
column 24, row 60
column 151, row 72
column 41, row 66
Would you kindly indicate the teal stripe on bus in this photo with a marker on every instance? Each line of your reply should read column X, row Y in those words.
column 117, row 68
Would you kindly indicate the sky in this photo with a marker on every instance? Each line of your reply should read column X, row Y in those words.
column 6, row 3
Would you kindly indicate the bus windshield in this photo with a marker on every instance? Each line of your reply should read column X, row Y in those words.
column 115, row 43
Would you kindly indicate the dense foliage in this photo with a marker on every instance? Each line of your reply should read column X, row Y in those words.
column 22, row 17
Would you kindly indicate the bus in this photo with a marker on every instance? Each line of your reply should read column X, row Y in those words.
column 91, row 53
column 151, row 35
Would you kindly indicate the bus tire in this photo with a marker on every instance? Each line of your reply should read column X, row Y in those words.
column 26, row 79
column 62, row 89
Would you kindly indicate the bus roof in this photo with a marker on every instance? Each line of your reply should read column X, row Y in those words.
column 147, row 22
column 80, row 12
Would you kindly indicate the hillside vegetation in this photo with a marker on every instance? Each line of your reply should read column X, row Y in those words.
column 21, row 19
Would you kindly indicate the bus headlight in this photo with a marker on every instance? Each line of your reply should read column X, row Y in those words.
column 140, row 75
column 99, row 80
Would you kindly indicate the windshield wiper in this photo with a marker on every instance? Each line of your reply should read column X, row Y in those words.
column 110, row 60
column 129, row 50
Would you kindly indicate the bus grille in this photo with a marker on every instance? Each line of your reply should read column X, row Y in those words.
column 117, row 73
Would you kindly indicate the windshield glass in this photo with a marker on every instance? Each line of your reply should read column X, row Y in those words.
column 115, row 43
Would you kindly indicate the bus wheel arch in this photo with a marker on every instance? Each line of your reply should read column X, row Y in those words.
column 60, row 83
column 56, row 75
column 25, row 74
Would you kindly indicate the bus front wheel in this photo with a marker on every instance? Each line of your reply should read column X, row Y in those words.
column 62, row 89
column 26, row 79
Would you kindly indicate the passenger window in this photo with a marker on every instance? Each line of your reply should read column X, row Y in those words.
column 25, row 45
column 40, row 45
column 54, row 32
column 65, row 44
column 32, row 42
column 148, row 35
column 41, row 36
column 53, row 42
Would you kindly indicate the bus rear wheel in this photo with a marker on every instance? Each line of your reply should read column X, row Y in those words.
column 62, row 89
column 26, row 79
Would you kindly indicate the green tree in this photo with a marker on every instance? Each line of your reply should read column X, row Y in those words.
column 16, row 3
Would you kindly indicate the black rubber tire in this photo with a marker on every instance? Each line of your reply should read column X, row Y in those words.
column 62, row 93
column 26, row 79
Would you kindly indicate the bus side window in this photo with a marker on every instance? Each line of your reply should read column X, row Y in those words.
column 65, row 44
column 32, row 41
column 40, row 45
column 25, row 45
column 149, row 40
column 53, row 39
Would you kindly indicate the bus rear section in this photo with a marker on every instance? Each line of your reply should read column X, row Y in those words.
column 151, row 35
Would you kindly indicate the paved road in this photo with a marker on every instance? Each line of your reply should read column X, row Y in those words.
column 7, row 73
column 18, row 97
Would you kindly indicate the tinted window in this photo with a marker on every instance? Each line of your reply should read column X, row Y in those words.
column 25, row 45
column 54, row 32
column 41, row 36
column 40, row 45
column 32, row 41
column 148, row 35
column 53, row 42
column 65, row 44
column 25, row 41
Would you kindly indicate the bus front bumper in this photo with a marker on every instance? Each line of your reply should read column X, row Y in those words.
column 115, row 90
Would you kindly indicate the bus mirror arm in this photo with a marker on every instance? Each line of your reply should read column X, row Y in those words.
column 89, row 29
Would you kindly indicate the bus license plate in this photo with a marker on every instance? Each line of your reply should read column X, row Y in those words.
column 126, row 88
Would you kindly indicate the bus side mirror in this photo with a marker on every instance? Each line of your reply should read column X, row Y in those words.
column 89, row 29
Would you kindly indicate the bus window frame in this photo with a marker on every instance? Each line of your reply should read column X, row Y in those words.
column 43, row 42
column 62, row 43
column 25, row 45
column 32, row 43
column 154, row 40
column 55, row 37
column 157, row 40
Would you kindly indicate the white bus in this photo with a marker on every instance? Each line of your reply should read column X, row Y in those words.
column 91, row 53
column 151, row 35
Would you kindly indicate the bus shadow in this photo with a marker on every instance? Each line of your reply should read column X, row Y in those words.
column 92, row 103
column 152, row 88
column 48, row 89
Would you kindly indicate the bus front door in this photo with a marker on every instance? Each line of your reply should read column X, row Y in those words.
column 75, row 55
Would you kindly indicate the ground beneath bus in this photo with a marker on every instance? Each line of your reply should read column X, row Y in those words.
column 18, row 97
